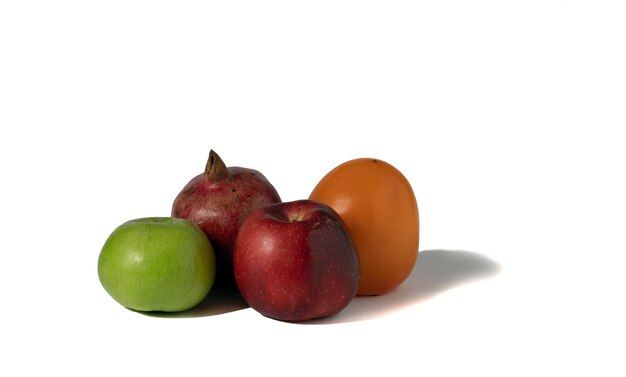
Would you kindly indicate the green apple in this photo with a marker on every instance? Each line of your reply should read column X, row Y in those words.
column 157, row 264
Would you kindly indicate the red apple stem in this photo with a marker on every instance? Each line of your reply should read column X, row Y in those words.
column 215, row 169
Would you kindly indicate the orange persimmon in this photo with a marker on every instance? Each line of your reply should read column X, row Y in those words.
column 378, row 206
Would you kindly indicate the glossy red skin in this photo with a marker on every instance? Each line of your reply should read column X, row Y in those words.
column 295, row 261
column 219, row 208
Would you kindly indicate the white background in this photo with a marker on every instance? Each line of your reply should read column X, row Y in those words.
column 506, row 117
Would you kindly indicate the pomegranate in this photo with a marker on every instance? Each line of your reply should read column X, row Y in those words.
column 218, row 201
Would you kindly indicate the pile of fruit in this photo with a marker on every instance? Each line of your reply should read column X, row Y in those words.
column 357, row 234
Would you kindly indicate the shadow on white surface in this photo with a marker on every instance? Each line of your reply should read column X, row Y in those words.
column 220, row 300
column 435, row 272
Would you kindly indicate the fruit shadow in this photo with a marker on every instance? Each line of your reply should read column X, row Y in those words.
column 220, row 300
column 436, row 271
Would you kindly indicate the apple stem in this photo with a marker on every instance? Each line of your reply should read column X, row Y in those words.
column 215, row 169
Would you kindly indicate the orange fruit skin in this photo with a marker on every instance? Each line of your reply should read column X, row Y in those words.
column 378, row 206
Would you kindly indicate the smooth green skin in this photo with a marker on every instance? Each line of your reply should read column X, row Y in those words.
column 157, row 264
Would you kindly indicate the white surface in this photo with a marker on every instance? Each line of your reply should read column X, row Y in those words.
column 505, row 117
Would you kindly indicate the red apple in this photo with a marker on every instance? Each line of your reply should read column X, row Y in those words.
column 218, row 201
column 295, row 261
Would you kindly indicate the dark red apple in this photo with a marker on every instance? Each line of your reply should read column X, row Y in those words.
column 218, row 201
column 295, row 261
